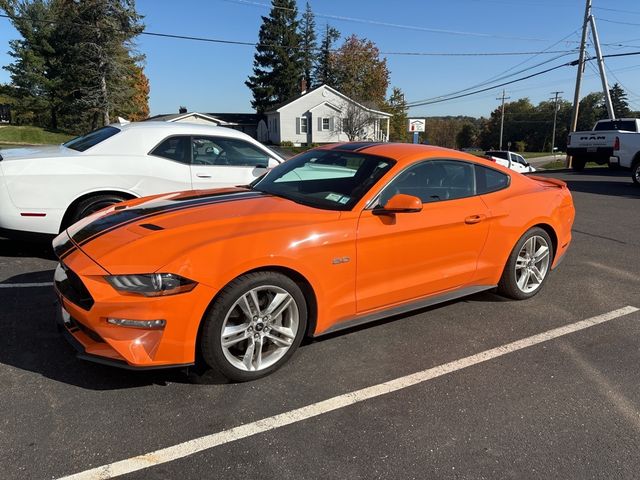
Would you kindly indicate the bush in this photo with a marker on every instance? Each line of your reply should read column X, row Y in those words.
column 521, row 146
column 286, row 144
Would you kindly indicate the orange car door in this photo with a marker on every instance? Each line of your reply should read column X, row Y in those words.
column 410, row 255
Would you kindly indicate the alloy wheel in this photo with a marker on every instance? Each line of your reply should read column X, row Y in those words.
column 259, row 328
column 532, row 264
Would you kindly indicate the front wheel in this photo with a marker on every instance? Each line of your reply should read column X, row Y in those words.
column 528, row 265
column 254, row 326
column 635, row 172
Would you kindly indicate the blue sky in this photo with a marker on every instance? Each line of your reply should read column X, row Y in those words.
column 210, row 77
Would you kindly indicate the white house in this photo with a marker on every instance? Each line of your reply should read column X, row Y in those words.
column 322, row 115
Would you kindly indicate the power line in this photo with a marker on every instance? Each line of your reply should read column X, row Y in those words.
column 417, row 104
column 254, row 44
column 572, row 63
column 617, row 10
column 388, row 24
column 618, row 22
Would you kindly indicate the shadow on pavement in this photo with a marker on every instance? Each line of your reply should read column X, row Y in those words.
column 29, row 340
column 601, row 181
column 26, row 248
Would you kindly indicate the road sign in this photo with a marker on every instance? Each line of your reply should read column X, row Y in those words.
column 416, row 124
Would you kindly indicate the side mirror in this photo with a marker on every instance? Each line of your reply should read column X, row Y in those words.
column 399, row 203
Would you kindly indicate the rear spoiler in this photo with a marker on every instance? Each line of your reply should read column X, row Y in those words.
column 548, row 182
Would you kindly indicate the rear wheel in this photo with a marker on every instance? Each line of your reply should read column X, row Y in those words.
column 92, row 204
column 528, row 265
column 254, row 326
column 635, row 172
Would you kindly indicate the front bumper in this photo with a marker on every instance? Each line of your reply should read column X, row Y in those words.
column 86, row 301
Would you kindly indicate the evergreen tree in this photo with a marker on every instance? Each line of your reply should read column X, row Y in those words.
column 309, row 47
column 397, row 106
column 97, row 46
column 277, row 64
column 35, row 69
column 619, row 100
column 323, row 73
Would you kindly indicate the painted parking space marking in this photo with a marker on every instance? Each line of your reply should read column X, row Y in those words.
column 207, row 442
column 26, row 285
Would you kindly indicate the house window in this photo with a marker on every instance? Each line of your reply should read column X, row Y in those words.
column 303, row 124
column 325, row 124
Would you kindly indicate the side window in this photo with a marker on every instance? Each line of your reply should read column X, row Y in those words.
column 433, row 181
column 174, row 148
column 489, row 180
column 227, row 151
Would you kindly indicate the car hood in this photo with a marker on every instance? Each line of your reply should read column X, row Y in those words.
column 31, row 152
column 144, row 235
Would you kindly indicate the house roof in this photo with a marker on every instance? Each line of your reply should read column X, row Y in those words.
column 224, row 118
column 277, row 108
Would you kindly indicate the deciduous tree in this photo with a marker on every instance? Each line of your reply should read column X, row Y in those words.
column 360, row 72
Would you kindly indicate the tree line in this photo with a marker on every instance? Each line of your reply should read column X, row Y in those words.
column 529, row 127
column 289, row 52
column 75, row 67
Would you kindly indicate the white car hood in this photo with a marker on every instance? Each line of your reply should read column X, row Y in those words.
column 31, row 152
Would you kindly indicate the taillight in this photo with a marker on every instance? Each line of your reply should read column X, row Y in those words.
column 616, row 144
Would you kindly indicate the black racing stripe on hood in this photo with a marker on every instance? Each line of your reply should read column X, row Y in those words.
column 127, row 216
column 62, row 245
column 355, row 146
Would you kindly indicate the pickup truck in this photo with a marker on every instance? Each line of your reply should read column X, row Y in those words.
column 510, row 160
column 612, row 142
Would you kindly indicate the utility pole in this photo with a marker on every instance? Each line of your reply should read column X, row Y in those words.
column 503, row 98
column 555, row 117
column 583, row 45
column 603, row 74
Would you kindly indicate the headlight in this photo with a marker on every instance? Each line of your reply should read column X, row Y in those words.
column 151, row 284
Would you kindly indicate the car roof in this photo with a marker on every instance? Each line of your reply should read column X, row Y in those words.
column 180, row 128
column 406, row 152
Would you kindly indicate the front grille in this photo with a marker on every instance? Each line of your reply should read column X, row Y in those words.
column 70, row 286
column 76, row 325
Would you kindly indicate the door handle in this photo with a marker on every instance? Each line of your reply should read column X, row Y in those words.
column 203, row 175
column 474, row 219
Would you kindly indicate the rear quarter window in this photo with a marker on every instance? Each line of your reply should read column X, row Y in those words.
column 85, row 142
column 489, row 180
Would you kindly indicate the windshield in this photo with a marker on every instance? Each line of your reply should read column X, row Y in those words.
column 327, row 179
column 85, row 142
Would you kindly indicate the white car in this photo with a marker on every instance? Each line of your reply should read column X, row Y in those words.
column 510, row 160
column 46, row 189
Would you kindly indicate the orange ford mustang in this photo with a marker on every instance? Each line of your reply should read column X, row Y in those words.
column 336, row 237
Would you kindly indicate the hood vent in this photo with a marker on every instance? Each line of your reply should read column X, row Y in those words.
column 151, row 226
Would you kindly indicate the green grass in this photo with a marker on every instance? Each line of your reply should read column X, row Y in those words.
column 561, row 165
column 31, row 136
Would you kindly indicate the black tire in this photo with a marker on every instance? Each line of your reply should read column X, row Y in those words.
column 578, row 164
column 508, row 285
column 635, row 172
column 92, row 204
column 214, row 321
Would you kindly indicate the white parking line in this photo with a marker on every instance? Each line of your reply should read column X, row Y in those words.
column 190, row 447
column 25, row 285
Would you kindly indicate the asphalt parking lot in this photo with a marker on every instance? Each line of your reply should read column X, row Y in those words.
column 562, row 403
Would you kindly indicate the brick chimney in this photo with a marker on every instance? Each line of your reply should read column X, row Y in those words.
column 303, row 86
